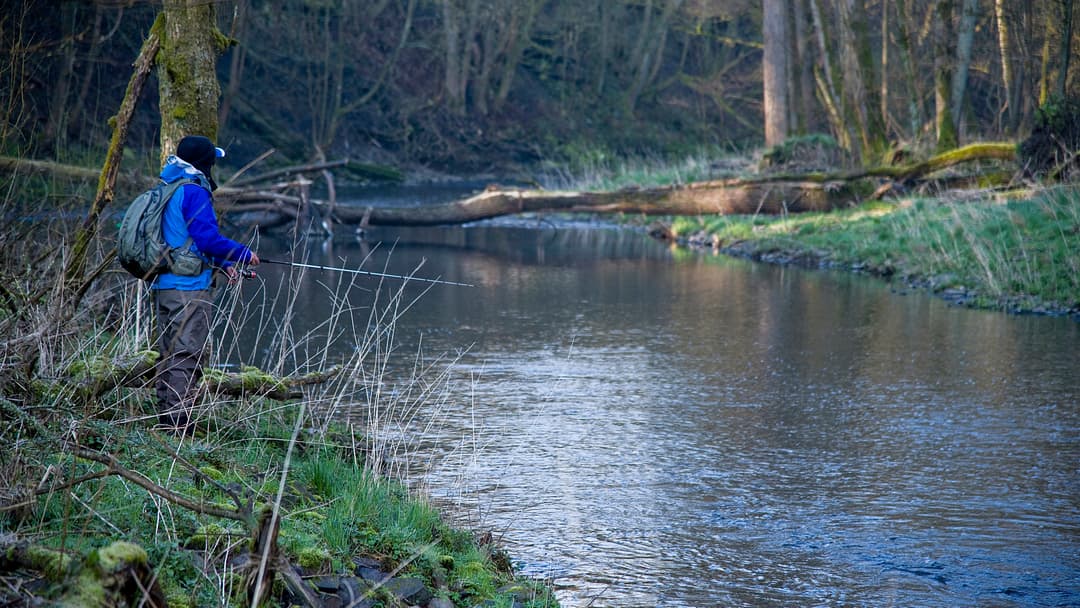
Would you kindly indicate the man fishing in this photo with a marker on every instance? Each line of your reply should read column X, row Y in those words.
column 182, row 294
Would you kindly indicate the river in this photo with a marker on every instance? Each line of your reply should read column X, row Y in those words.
column 648, row 426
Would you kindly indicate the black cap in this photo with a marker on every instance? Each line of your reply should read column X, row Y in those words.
column 201, row 153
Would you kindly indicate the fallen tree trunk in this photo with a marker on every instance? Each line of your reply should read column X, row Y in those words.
column 773, row 194
column 701, row 198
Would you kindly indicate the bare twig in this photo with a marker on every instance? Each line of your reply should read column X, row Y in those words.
column 115, row 468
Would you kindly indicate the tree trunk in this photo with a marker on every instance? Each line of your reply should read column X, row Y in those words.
column 1007, row 77
column 1066, row 47
column 187, row 81
column 701, row 198
column 236, row 63
column 905, row 44
column 965, row 40
column 520, row 37
column 943, row 78
column 861, row 94
column 826, row 82
column 802, row 74
column 774, row 71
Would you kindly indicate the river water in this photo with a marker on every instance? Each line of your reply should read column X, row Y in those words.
column 648, row 426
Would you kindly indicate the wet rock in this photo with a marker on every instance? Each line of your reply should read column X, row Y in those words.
column 440, row 602
column 326, row 584
column 352, row 590
column 412, row 591
column 371, row 575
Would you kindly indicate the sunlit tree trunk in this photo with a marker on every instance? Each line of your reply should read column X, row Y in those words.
column 1006, row 51
column 774, row 71
column 187, row 82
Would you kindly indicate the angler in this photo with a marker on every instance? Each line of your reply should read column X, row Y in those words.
column 182, row 293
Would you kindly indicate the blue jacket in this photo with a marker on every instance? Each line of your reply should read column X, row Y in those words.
column 190, row 215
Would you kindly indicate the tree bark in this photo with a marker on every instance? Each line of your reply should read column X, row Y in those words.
column 905, row 43
column 702, row 198
column 774, row 71
column 861, row 94
column 187, row 81
column 826, row 82
column 801, row 73
column 943, row 75
column 965, row 40
column 1066, row 47
column 1006, row 52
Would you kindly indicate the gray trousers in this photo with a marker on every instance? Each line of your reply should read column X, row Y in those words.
column 183, row 319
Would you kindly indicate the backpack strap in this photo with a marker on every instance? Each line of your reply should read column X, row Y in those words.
column 179, row 259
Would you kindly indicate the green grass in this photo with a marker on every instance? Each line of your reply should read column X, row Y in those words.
column 1009, row 252
column 331, row 512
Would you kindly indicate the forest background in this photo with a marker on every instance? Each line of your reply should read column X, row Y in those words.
column 475, row 86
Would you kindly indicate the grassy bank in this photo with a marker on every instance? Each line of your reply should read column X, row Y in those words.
column 334, row 514
column 1020, row 254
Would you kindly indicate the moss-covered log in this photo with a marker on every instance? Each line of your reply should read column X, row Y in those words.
column 94, row 376
column 116, row 575
column 99, row 374
column 252, row 381
column 773, row 194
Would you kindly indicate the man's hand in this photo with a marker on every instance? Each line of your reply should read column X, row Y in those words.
column 232, row 274
column 254, row 261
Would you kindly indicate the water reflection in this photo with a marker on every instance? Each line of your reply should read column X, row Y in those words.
column 657, row 428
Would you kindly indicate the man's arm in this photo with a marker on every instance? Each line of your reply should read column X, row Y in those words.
column 203, row 226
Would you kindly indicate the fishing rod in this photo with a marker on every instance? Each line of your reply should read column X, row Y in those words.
column 366, row 272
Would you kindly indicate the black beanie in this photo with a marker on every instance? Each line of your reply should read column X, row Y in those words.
column 201, row 153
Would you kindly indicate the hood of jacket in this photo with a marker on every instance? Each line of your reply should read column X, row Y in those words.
column 177, row 168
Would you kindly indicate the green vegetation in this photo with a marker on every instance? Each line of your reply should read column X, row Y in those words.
column 332, row 510
column 1001, row 252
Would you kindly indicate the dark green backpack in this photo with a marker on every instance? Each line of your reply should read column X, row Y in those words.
column 141, row 246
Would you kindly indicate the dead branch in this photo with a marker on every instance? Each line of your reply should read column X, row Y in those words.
column 115, row 468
